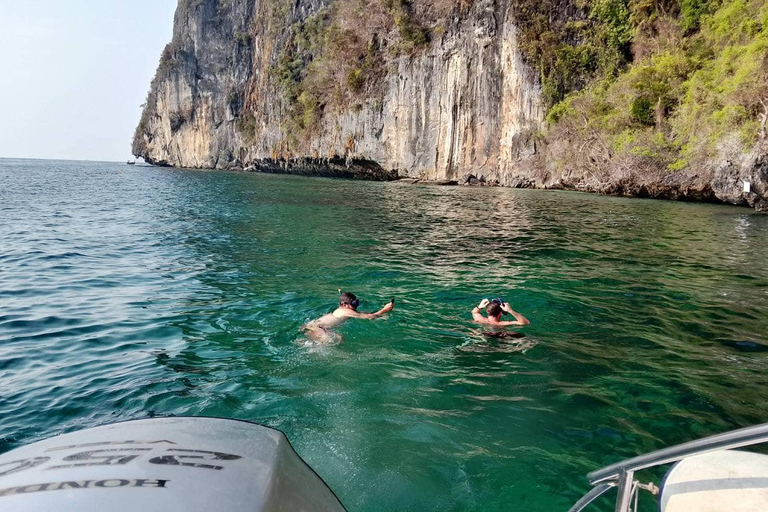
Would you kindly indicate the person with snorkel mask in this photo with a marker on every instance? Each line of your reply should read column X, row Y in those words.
column 495, row 309
column 321, row 330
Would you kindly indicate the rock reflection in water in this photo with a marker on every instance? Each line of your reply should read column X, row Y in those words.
column 497, row 342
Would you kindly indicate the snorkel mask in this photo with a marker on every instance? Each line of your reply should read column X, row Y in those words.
column 500, row 302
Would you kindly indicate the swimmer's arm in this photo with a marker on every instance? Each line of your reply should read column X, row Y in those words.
column 519, row 319
column 370, row 316
column 477, row 315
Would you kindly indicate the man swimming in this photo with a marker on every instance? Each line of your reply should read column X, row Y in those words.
column 495, row 308
column 321, row 330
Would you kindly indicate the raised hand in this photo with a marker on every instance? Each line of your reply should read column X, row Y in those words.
column 483, row 303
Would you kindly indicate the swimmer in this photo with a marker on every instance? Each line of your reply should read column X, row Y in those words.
column 321, row 330
column 495, row 308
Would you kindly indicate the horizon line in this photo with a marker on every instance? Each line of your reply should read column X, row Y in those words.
column 60, row 159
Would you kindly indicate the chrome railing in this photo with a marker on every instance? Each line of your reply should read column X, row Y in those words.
column 622, row 474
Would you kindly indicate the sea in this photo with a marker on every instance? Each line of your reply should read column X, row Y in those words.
column 136, row 292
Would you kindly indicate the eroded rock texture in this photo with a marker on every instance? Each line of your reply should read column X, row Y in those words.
column 466, row 105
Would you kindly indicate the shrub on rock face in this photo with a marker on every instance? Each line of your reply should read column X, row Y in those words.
column 643, row 111
column 338, row 56
column 698, row 76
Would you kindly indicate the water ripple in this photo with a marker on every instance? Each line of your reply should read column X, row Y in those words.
column 131, row 293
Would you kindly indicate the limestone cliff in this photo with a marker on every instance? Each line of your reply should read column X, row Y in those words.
column 468, row 102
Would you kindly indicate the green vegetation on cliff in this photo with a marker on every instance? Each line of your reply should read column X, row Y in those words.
column 572, row 43
column 635, row 86
column 336, row 59
column 652, row 86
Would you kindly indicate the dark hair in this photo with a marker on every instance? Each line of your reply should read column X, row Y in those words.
column 349, row 299
column 494, row 309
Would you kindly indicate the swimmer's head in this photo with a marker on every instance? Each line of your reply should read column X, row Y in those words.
column 349, row 299
column 494, row 309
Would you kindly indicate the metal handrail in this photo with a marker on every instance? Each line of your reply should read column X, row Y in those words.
column 621, row 474
column 726, row 441
column 591, row 496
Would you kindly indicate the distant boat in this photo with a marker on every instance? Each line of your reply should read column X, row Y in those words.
column 131, row 163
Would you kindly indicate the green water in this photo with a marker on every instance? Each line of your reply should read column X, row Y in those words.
column 134, row 292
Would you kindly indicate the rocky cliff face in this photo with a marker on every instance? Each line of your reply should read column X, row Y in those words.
column 468, row 104
column 188, row 120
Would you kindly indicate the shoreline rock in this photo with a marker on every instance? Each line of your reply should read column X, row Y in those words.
column 691, row 191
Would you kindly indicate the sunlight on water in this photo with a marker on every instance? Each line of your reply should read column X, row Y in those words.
column 133, row 292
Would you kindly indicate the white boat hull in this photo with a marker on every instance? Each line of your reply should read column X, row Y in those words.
column 165, row 464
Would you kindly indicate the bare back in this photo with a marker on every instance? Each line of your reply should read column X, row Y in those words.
column 329, row 321
column 497, row 323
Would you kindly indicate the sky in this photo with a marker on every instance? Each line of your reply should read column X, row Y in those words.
column 74, row 73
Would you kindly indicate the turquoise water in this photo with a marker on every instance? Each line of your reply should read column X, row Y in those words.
column 129, row 292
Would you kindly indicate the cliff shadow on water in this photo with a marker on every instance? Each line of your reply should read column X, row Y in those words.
column 666, row 99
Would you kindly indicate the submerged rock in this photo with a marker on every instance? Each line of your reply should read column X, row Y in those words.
column 745, row 345
column 440, row 183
